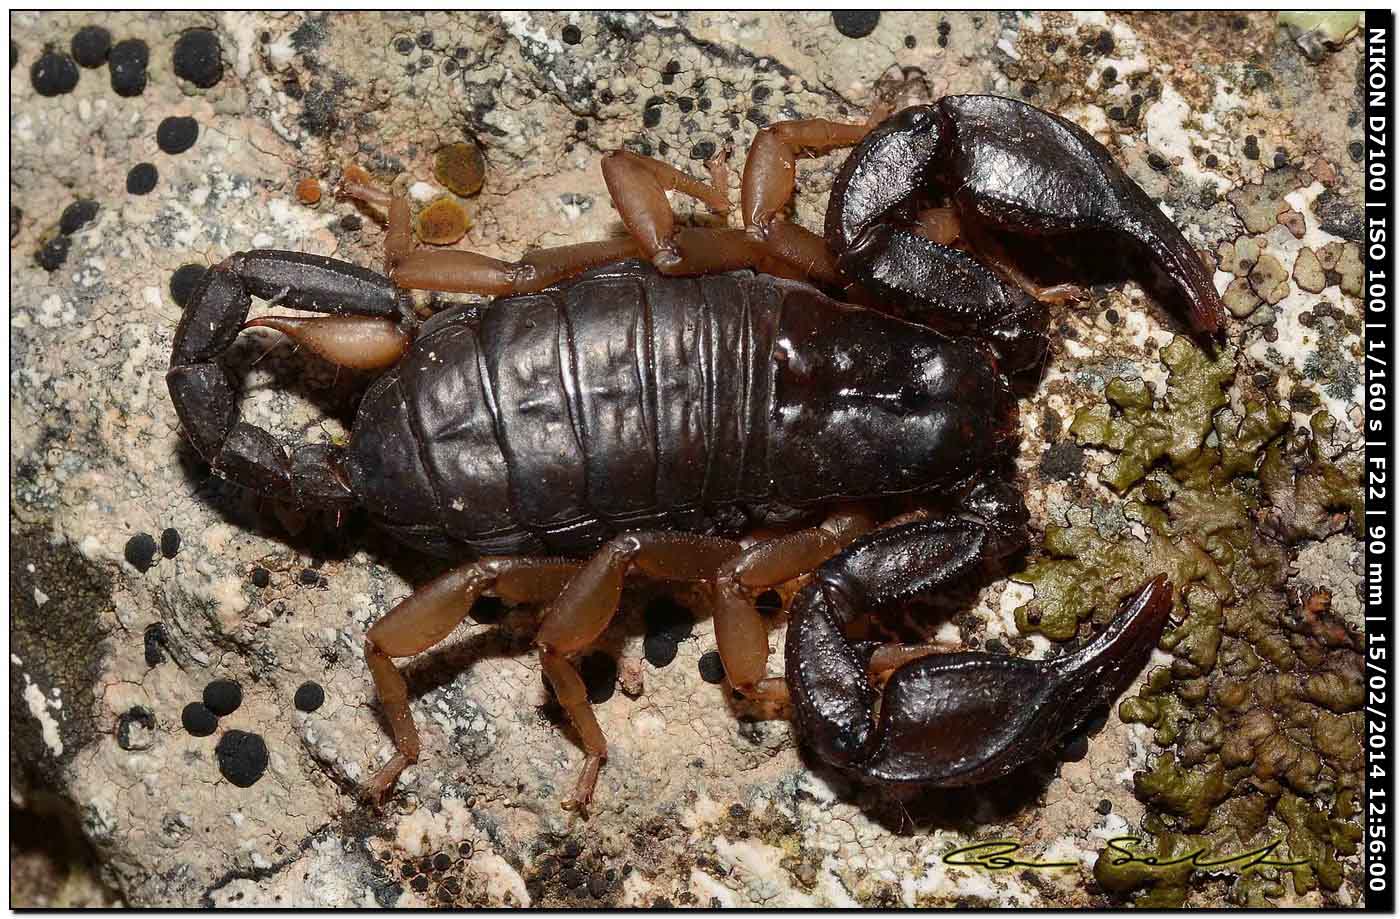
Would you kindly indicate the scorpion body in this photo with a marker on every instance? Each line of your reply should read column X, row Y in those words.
column 628, row 400
column 632, row 404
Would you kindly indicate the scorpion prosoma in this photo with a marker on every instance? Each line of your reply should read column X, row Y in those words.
column 636, row 403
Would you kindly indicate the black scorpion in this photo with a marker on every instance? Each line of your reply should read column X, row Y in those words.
column 637, row 403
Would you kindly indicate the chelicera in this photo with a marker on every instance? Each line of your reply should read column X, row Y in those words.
column 635, row 404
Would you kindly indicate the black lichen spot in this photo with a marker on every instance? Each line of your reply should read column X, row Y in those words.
column 668, row 73
column 198, row 721
column 1157, row 161
column 1063, row 462
column 419, row 883
column 127, row 67
column 685, row 104
column 660, row 649
column 651, row 116
column 90, row 46
column 77, row 215
column 222, row 697
column 154, row 640
column 1251, row 147
column 1110, row 75
column 177, row 134
column 242, row 757
column 142, row 178
column 310, row 577
column 911, row 42
column 1104, row 43
column 183, row 282
column 196, row 58
column 1338, row 217
column 944, row 30
column 1212, row 160
column 1356, row 151
column 711, row 667
column 599, row 673
column 54, row 74
column 135, row 729
column 1105, row 807
column 54, row 253
column 855, row 23
column 571, row 34
column 703, row 150
column 403, row 45
column 425, row 39
column 170, row 542
column 141, row 551
column 318, row 114
column 351, row 222
column 309, row 35
column 261, row 577
column 442, row 861
column 309, row 696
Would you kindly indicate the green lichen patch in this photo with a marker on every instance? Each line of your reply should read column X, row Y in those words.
column 1258, row 717
column 1143, row 430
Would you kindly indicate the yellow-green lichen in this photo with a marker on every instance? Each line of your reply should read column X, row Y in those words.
column 1142, row 430
column 1257, row 719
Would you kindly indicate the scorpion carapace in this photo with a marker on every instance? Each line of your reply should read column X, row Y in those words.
column 635, row 404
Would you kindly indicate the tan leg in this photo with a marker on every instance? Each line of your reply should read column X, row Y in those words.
column 638, row 187
column 428, row 616
column 888, row 658
column 939, row 224
column 994, row 254
column 740, row 632
column 770, row 179
column 585, row 607
column 459, row 271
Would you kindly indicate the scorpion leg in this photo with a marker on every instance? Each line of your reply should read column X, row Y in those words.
column 428, row 616
column 740, row 633
column 585, row 607
column 461, row 271
column 770, row 179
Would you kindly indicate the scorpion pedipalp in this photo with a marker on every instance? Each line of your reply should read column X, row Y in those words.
column 1008, row 167
column 205, row 397
column 954, row 719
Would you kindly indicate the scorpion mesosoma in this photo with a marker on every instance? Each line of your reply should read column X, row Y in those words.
column 634, row 404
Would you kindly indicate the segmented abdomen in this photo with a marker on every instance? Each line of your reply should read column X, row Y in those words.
column 624, row 400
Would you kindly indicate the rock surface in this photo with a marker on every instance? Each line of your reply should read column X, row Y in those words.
column 1249, row 144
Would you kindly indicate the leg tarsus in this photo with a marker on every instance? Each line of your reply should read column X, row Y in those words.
column 425, row 618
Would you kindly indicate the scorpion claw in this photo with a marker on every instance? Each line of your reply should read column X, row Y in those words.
column 1011, row 167
column 963, row 718
column 205, row 397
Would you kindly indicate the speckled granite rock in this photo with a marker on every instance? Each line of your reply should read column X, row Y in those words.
column 1249, row 144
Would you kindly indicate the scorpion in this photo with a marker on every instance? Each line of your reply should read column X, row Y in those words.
column 636, row 404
